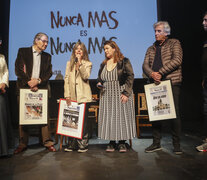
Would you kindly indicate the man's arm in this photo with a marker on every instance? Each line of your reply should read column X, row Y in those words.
column 156, row 76
column 146, row 67
column 20, row 68
column 176, row 61
column 46, row 72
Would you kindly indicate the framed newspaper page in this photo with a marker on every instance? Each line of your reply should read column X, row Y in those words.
column 71, row 119
column 33, row 107
column 160, row 101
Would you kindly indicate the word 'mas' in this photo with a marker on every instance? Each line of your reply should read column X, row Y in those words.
column 59, row 21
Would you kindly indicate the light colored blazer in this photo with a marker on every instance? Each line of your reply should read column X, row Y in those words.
column 76, row 85
column 4, row 73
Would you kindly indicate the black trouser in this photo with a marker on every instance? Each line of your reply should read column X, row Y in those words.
column 205, row 106
column 175, row 123
column 119, row 142
column 82, row 143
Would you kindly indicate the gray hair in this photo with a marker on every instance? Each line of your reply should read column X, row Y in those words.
column 38, row 36
column 165, row 25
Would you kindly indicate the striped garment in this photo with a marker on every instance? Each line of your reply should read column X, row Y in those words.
column 116, row 120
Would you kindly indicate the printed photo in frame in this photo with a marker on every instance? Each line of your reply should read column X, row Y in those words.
column 71, row 119
column 33, row 107
column 160, row 102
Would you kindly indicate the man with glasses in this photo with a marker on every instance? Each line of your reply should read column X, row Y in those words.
column 203, row 147
column 33, row 69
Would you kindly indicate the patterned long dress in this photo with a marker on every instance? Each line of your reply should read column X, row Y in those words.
column 116, row 120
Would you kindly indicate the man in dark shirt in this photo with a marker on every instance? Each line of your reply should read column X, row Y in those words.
column 163, row 61
column 203, row 147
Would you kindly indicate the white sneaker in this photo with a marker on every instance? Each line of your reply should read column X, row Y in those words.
column 82, row 150
column 68, row 149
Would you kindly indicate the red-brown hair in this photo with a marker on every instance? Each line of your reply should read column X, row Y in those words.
column 118, row 56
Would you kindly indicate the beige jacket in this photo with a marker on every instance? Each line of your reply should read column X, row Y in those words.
column 4, row 73
column 77, row 85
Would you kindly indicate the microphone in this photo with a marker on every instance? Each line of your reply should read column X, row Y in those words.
column 76, row 60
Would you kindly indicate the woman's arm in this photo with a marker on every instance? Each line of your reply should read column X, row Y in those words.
column 66, row 81
column 85, row 70
column 129, row 79
column 5, row 72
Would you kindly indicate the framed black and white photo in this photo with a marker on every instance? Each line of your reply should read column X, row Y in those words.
column 33, row 107
column 71, row 119
column 160, row 101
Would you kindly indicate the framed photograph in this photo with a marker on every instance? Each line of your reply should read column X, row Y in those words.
column 160, row 101
column 33, row 107
column 71, row 119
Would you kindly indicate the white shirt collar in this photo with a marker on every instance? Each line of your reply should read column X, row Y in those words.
column 34, row 51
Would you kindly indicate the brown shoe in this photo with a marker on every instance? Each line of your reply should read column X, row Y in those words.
column 19, row 149
column 51, row 148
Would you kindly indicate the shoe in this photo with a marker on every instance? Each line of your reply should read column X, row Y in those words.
column 202, row 147
column 110, row 148
column 69, row 148
column 153, row 148
column 122, row 148
column 51, row 148
column 177, row 150
column 82, row 150
column 19, row 149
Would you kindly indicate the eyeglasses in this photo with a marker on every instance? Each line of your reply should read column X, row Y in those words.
column 44, row 41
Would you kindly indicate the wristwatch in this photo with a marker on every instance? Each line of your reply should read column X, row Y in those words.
column 39, row 80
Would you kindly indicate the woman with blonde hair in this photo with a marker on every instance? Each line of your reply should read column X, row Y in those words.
column 77, row 88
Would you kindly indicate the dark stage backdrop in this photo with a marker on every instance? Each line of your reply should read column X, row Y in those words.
column 185, row 18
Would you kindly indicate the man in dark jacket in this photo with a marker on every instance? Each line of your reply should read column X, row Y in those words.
column 33, row 69
column 162, row 62
column 203, row 147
